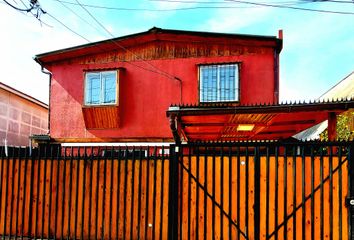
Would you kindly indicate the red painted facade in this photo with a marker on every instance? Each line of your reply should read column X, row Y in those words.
column 144, row 95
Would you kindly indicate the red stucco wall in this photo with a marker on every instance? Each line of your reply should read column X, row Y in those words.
column 145, row 96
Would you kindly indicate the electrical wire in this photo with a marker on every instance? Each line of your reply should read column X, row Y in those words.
column 131, row 63
column 290, row 7
column 23, row 3
column 68, row 28
column 157, row 71
column 161, row 72
column 224, row 2
column 77, row 15
column 153, row 10
column 20, row 9
column 287, row 6
column 330, row 1
column 34, row 6
column 284, row 5
column 268, row 2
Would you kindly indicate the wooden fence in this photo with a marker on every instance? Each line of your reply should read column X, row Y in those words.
column 263, row 191
column 84, row 197
column 199, row 191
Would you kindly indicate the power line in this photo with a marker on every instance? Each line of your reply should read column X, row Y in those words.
column 157, row 71
column 225, row 2
column 77, row 15
column 290, row 7
column 161, row 72
column 287, row 6
column 153, row 10
column 330, row 1
column 23, row 3
column 64, row 25
column 131, row 63
column 269, row 2
column 32, row 6
column 275, row 4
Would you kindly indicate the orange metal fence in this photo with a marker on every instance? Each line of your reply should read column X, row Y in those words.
column 84, row 197
column 199, row 191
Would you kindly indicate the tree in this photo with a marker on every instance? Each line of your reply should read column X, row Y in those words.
column 345, row 127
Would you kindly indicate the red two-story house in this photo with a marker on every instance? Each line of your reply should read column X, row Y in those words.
column 119, row 90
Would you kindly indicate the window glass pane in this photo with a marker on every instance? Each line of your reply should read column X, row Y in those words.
column 93, row 88
column 227, row 83
column 219, row 83
column 109, row 87
column 208, row 83
column 101, row 88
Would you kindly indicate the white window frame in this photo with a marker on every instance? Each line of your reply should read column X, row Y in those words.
column 102, row 89
column 237, row 83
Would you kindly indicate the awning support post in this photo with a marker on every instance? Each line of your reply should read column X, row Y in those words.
column 332, row 126
column 173, row 126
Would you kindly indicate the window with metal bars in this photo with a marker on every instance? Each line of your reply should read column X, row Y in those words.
column 219, row 83
column 101, row 88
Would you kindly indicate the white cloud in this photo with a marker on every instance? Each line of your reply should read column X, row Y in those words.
column 23, row 39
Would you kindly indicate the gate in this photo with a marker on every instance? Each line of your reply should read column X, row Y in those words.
column 84, row 193
column 262, row 190
column 243, row 190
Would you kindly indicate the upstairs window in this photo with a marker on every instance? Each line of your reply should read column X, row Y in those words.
column 101, row 88
column 219, row 83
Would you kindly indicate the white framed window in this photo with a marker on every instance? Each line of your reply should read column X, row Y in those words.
column 101, row 88
column 219, row 83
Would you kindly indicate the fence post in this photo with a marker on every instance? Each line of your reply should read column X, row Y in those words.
column 173, row 193
column 257, row 189
column 350, row 197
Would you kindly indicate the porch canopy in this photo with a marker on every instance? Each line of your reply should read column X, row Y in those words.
column 231, row 122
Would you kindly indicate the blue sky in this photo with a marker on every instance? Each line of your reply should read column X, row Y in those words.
column 318, row 48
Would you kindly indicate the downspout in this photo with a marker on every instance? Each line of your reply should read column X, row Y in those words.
column 180, row 87
column 50, row 83
column 173, row 126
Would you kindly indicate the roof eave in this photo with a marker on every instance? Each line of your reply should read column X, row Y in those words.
column 45, row 57
column 23, row 95
column 262, row 108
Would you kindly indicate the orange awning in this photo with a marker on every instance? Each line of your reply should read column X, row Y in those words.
column 229, row 122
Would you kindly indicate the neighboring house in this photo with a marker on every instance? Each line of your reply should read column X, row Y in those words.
column 118, row 90
column 20, row 117
column 342, row 90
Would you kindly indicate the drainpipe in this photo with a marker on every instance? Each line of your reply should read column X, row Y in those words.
column 6, row 148
column 173, row 126
column 180, row 87
column 50, row 83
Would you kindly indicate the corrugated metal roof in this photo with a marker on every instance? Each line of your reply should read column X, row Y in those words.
column 270, row 121
column 342, row 90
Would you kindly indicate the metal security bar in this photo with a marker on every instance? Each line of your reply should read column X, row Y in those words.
column 264, row 190
column 219, row 83
column 84, row 193
column 232, row 190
